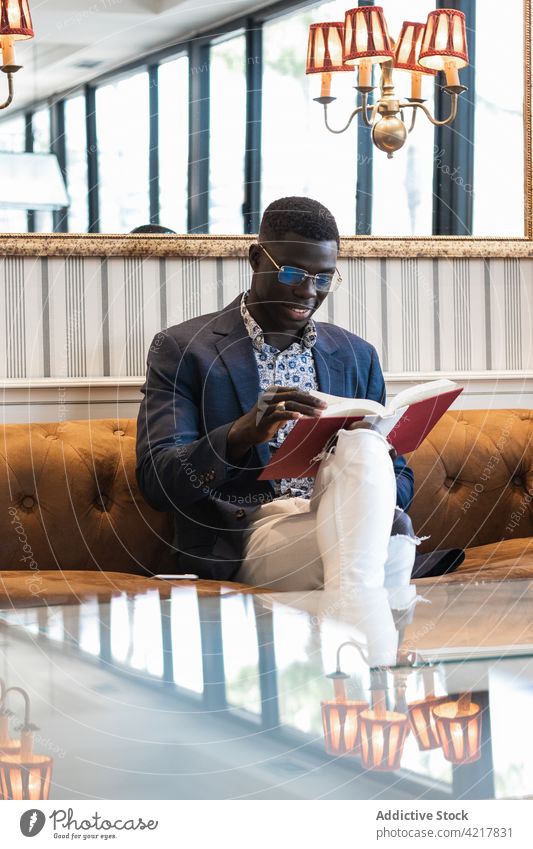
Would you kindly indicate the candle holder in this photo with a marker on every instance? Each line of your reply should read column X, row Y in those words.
column 25, row 775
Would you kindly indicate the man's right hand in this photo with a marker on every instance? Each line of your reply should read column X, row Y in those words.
column 265, row 418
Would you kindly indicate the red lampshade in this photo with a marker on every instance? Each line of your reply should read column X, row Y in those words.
column 15, row 19
column 324, row 52
column 383, row 736
column 422, row 722
column 27, row 779
column 366, row 36
column 444, row 41
column 459, row 731
column 408, row 48
column 341, row 726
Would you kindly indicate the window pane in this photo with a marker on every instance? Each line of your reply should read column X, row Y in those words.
column 76, row 149
column 403, row 186
column 300, row 157
column 227, row 135
column 173, row 143
column 40, row 122
column 13, row 138
column 499, row 126
column 41, row 131
column 122, row 119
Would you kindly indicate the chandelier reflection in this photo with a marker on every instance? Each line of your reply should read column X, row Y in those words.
column 358, row 728
column 24, row 775
column 375, row 734
column 421, row 50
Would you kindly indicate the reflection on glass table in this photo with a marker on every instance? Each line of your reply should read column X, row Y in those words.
column 272, row 695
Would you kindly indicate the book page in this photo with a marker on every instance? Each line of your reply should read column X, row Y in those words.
column 338, row 406
column 413, row 394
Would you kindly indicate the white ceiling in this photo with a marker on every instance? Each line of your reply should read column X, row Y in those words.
column 105, row 34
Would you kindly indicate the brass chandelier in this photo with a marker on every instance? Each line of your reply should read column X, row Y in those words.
column 363, row 40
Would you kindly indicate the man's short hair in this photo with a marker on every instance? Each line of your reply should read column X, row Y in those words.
column 303, row 216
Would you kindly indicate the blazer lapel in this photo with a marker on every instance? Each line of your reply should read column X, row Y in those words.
column 329, row 369
column 236, row 352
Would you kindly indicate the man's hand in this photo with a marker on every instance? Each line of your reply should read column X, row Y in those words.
column 265, row 418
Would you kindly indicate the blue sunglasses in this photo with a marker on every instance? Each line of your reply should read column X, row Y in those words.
column 290, row 276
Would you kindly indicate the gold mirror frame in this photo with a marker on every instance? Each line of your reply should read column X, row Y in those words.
column 89, row 245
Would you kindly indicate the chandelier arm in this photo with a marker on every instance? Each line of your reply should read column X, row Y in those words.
column 10, row 90
column 413, row 122
column 355, row 646
column 451, row 117
column 350, row 119
column 368, row 122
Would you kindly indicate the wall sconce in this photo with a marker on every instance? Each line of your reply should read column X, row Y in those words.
column 8, row 745
column 421, row 715
column 15, row 25
column 25, row 775
column 458, row 727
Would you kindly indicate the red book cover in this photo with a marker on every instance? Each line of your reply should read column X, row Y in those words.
column 295, row 457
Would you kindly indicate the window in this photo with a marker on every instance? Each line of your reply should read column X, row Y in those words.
column 402, row 193
column 122, row 124
column 13, row 138
column 299, row 156
column 43, row 222
column 173, row 143
column 227, row 114
column 76, row 150
column 499, row 124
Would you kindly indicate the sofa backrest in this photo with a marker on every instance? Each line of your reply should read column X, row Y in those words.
column 69, row 500
column 474, row 479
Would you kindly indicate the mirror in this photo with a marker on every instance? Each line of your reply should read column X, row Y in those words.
column 170, row 140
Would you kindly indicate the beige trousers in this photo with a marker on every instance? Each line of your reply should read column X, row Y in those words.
column 340, row 539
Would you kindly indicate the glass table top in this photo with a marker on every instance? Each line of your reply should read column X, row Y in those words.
column 278, row 695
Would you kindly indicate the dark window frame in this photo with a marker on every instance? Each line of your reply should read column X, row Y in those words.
column 452, row 209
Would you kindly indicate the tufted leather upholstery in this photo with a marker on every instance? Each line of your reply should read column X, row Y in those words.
column 73, row 488
column 68, row 497
column 474, row 479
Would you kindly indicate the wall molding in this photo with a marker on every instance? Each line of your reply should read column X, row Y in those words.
column 198, row 246
column 53, row 400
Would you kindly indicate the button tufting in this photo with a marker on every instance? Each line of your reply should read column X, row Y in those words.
column 28, row 502
column 118, row 432
column 102, row 503
column 449, row 482
column 240, row 513
column 517, row 481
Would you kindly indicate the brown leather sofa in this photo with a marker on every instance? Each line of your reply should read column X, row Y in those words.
column 69, row 503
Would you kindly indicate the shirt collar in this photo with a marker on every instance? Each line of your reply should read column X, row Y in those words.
column 257, row 336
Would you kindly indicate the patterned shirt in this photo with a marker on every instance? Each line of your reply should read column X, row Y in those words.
column 293, row 367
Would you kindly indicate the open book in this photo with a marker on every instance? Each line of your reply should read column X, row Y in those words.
column 406, row 422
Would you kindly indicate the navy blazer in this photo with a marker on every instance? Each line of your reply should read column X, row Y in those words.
column 201, row 376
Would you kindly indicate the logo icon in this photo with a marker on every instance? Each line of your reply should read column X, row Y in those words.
column 32, row 822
